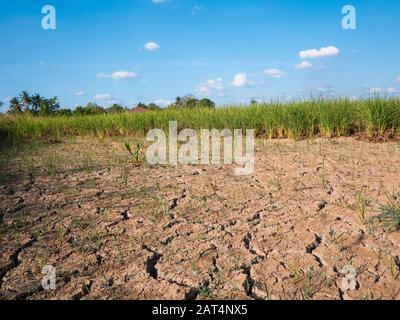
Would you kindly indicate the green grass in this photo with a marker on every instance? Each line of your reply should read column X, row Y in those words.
column 295, row 120
column 390, row 213
column 391, row 216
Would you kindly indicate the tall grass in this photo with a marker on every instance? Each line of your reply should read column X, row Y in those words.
column 296, row 120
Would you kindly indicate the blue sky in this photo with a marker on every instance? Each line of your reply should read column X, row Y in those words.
column 229, row 51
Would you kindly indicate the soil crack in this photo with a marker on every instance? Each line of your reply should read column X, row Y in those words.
column 151, row 263
column 311, row 248
column 15, row 260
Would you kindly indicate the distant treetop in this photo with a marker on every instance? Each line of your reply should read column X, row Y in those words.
column 190, row 102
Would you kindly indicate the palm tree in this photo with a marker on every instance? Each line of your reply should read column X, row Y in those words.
column 25, row 99
column 15, row 106
column 36, row 101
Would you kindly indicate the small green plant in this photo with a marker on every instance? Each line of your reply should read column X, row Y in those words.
column 361, row 205
column 51, row 167
column 31, row 169
column 322, row 174
column 107, row 284
column 36, row 234
column 307, row 289
column 390, row 213
column 78, row 223
column 125, row 175
column 331, row 233
column 205, row 291
column 267, row 292
column 135, row 154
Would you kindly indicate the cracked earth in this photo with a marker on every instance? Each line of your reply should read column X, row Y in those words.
column 114, row 229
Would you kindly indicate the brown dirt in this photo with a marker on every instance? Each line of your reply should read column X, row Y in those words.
column 117, row 230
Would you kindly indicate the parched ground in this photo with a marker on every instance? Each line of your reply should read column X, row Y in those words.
column 117, row 230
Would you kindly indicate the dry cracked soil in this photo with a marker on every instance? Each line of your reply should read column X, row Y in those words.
column 115, row 229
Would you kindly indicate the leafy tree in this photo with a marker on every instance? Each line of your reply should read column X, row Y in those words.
column 115, row 108
column 206, row 103
column 36, row 101
column 49, row 107
column 150, row 106
column 93, row 109
column 25, row 100
column 34, row 105
column 141, row 105
column 79, row 111
column 15, row 106
column 190, row 102
column 90, row 109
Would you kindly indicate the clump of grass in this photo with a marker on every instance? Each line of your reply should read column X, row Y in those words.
column 381, row 115
column 362, row 204
column 390, row 213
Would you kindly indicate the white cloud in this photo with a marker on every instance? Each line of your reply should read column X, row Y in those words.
column 105, row 99
column 275, row 73
column 304, row 65
column 327, row 89
column 80, row 93
column 323, row 52
column 375, row 90
column 398, row 79
column 389, row 90
column 212, row 87
column 152, row 46
column 162, row 102
column 102, row 96
column 119, row 75
column 241, row 80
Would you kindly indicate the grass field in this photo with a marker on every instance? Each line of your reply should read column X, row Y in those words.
column 294, row 120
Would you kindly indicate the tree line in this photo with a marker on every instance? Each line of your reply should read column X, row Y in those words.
column 33, row 104
column 36, row 105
